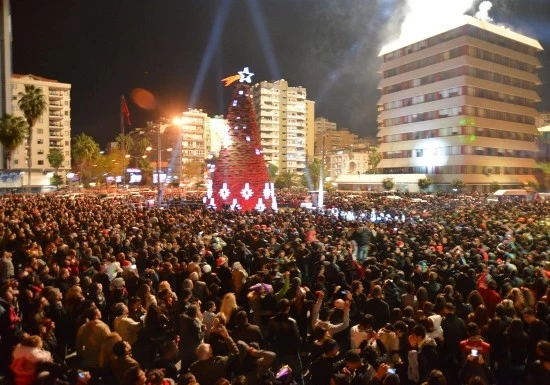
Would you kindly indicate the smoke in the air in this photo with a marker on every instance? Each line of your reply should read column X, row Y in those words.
column 483, row 11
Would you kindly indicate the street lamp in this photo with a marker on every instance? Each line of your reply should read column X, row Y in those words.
column 159, row 159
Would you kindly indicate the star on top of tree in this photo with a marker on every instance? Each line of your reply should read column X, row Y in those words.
column 246, row 75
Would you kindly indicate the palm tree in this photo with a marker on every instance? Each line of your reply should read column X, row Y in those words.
column 33, row 104
column 85, row 150
column 56, row 159
column 13, row 130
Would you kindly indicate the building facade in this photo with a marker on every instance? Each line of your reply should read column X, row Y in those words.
column 5, row 65
column 461, row 105
column 282, row 115
column 52, row 130
column 347, row 163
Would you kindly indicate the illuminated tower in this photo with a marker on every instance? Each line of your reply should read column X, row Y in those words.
column 240, row 178
column 461, row 104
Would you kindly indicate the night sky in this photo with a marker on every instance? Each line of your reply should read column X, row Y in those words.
column 107, row 48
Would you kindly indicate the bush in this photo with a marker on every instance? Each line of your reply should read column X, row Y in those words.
column 388, row 184
column 458, row 184
column 424, row 183
column 494, row 187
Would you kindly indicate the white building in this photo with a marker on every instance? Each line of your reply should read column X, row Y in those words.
column 347, row 163
column 461, row 104
column 52, row 130
column 282, row 114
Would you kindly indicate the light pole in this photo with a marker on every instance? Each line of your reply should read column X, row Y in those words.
column 159, row 159
column 70, row 176
column 321, row 199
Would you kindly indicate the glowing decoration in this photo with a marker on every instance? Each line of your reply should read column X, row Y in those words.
column 274, row 205
column 230, row 80
column 246, row 76
column 235, row 205
column 212, row 203
column 224, row 192
column 241, row 162
column 260, row 206
column 209, row 190
column 267, row 191
column 246, row 192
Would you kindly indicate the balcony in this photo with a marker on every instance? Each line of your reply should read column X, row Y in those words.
column 56, row 135
column 56, row 125
column 56, row 145
column 56, row 115
column 55, row 105
column 56, row 94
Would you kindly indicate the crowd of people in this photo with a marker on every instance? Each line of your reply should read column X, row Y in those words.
column 443, row 290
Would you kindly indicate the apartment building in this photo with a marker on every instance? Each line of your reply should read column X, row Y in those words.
column 52, row 130
column 461, row 104
column 282, row 113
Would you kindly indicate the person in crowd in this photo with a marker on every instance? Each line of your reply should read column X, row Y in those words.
column 451, row 261
column 26, row 358
column 125, row 326
column 423, row 357
column 209, row 368
column 123, row 360
column 378, row 308
column 90, row 338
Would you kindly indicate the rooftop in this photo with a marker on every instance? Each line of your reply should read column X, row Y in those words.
column 458, row 23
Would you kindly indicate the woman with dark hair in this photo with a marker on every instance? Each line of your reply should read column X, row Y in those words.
column 493, row 333
column 134, row 376
column 191, row 335
column 517, row 344
column 475, row 299
column 144, row 293
column 480, row 316
column 436, row 377
column 96, row 295
column 156, row 329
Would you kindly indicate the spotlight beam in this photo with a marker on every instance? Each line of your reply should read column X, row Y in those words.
column 258, row 19
column 213, row 42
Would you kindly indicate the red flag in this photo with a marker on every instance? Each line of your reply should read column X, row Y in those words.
column 125, row 111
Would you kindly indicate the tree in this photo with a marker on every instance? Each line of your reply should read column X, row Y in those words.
column 494, row 187
column 85, row 151
column 193, row 169
column 286, row 179
column 388, row 184
column 13, row 130
column 141, row 146
column 56, row 158
column 146, row 170
column 424, row 183
column 125, row 142
column 374, row 158
column 272, row 171
column 310, row 178
column 458, row 184
column 545, row 168
column 33, row 104
column 56, row 180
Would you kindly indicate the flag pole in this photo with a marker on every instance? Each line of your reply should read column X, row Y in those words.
column 123, row 143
